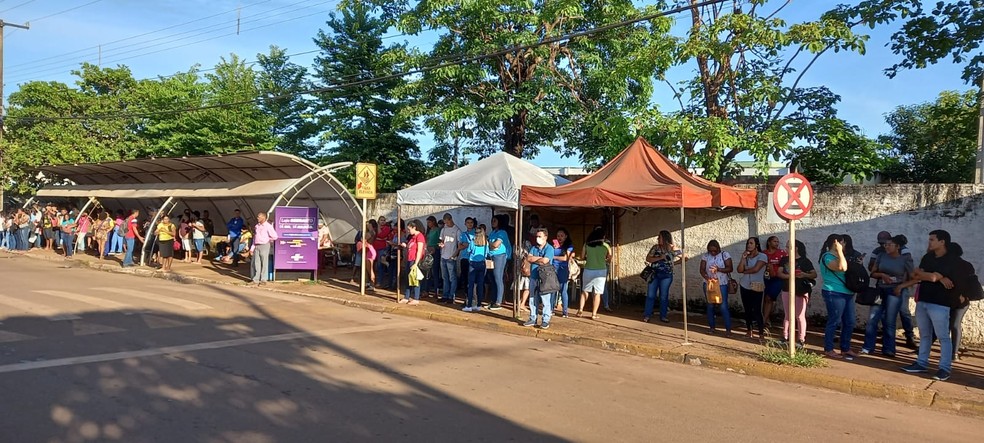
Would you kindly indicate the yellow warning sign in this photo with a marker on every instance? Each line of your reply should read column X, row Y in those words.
column 365, row 181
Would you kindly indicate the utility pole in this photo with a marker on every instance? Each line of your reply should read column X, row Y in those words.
column 979, row 170
column 3, row 123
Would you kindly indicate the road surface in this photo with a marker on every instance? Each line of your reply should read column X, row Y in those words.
column 93, row 356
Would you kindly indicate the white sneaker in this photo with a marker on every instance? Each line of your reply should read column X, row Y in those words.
column 467, row 309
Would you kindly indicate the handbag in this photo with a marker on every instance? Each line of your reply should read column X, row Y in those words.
column 648, row 273
column 732, row 285
column 177, row 245
column 526, row 269
column 489, row 263
column 714, row 296
column 574, row 268
column 869, row 297
column 757, row 286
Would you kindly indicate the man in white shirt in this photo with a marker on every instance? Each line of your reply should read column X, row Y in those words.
column 450, row 234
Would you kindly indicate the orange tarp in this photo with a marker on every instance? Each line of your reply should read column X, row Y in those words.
column 640, row 177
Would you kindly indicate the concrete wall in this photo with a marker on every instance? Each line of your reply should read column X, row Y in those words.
column 861, row 211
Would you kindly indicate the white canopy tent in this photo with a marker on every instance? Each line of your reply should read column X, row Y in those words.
column 494, row 181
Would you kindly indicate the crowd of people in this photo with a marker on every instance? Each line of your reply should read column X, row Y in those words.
column 942, row 283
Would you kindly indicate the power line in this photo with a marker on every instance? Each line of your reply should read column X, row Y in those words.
column 15, row 7
column 36, row 61
column 421, row 70
column 35, row 20
column 46, row 68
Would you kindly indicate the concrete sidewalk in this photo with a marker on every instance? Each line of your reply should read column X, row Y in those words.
column 623, row 331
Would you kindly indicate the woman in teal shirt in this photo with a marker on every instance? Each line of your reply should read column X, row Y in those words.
column 499, row 246
column 839, row 299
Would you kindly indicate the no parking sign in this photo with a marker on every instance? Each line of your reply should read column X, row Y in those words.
column 793, row 197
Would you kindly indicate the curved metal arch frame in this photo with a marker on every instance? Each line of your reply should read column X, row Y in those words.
column 323, row 173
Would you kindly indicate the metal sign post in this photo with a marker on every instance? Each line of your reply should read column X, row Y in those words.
column 365, row 188
column 792, row 199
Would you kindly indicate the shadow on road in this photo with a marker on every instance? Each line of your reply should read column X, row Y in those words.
column 309, row 388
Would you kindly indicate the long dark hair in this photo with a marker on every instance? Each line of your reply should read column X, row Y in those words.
column 848, row 244
column 597, row 235
column 828, row 244
column 758, row 244
column 666, row 237
column 568, row 243
column 800, row 249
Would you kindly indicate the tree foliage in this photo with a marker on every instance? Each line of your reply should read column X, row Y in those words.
column 360, row 122
column 932, row 31
column 281, row 84
column 746, row 97
column 533, row 91
column 934, row 142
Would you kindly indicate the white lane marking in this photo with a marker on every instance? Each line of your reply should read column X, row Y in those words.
column 87, row 299
column 52, row 313
column 158, row 322
column 282, row 297
column 70, row 361
column 166, row 299
column 206, row 293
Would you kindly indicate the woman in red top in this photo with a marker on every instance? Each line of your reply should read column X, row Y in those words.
column 415, row 246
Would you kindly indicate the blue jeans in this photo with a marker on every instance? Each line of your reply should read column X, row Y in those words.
column 4, row 242
column 499, row 276
column 116, row 245
column 476, row 280
column 434, row 277
column 904, row 313
column 22, row 236
column 725, row 313
column 840, row 312
column 536, row 298
column 886, row 313
column 128, row 258
column 605, row 298
column 68, row 240
column 933, row 318
column 449, row 277
column 659, row 286
column 563, row 295
column 956, row 330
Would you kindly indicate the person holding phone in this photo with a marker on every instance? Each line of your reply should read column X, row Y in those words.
column 838, row 298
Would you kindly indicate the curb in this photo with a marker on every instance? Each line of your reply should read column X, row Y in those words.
column 901, row 394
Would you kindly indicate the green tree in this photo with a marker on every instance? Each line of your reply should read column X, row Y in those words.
column 45, row 124
column 931, row 32
column 934, row 142
column 281, row 83
column 747, row 97
column 186, row 116
column 537, row 92
column 361, row 122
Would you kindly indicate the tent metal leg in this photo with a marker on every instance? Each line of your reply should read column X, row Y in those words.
column 517, row 266
column 683, row 277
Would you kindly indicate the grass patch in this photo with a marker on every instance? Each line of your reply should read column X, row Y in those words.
column 775, row 352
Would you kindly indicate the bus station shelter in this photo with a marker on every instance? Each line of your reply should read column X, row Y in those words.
column 253, row 182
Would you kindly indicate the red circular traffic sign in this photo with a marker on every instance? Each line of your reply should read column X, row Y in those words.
column 793, row 197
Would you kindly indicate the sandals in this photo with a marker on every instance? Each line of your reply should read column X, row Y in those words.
column 578, row 313
column 594, row 317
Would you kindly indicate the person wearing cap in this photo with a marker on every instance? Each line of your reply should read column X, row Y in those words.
column 904, row 313
column 235, row 229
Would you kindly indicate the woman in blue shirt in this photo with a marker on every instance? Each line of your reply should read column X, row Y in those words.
column 499, row 247
column 563, row 251
column 839, row 299
column 477, row 251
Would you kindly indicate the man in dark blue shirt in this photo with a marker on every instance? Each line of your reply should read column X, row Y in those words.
column 541, row 253
column 235, row 227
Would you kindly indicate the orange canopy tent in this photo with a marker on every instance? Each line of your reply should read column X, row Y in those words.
column 642, row 177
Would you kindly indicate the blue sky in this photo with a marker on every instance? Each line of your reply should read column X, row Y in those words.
column 161, row 37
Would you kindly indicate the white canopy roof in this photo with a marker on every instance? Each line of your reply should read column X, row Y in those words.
column 494, row 181
column 220, row 184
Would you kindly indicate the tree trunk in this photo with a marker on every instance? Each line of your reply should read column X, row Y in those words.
column 515, row 133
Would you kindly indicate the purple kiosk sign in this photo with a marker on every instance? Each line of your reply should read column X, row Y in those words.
column 296, row 248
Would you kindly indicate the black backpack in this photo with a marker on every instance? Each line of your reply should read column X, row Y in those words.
column 856, row 277
column 547, row 280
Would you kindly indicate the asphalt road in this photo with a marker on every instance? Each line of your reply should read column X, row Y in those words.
column 93, row 356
